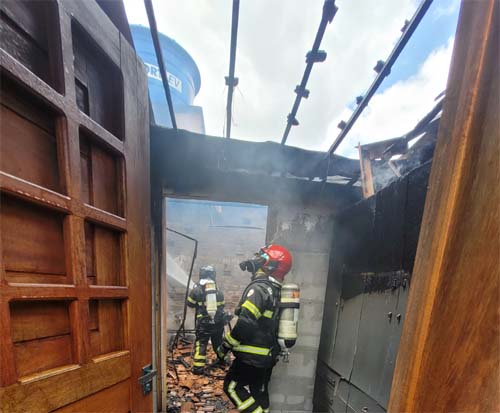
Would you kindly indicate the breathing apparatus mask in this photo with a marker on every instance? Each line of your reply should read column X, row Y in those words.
column 256, row 263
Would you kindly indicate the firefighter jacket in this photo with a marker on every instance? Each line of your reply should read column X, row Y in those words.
column 253, row 339
column 197, row 299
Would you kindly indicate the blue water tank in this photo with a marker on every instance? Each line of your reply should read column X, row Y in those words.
column 183, row 77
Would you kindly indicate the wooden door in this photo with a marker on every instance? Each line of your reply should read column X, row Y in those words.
column 75, row 292
column 449, row 356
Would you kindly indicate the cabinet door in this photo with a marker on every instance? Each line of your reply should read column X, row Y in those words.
column 75, row 300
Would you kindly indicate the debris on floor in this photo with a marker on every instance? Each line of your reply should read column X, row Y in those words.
column 191, row 393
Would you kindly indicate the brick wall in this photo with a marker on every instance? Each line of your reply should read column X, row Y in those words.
column 227, row 234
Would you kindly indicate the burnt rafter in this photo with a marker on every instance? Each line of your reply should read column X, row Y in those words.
column 383, row 70
column 159, row 57
column 185, row 148
column 313, row 56
column 232, row 81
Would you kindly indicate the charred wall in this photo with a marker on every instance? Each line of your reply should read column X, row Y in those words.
column 373, row 251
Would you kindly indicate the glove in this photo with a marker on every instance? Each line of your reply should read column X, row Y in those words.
column 222, row 351
column 227, row 317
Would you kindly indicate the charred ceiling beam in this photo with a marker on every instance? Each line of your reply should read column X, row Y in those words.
column 232, row 81
column 383, row 69
column 314, row 56
column 255, row 158
column 159, row 57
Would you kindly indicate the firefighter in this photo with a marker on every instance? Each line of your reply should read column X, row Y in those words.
column 208, row 301
column 253, row 340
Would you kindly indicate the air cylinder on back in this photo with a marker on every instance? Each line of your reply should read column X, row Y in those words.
column 289, row 315
column 211, row 298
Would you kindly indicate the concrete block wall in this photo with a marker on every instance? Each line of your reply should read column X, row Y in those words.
column 307, row 232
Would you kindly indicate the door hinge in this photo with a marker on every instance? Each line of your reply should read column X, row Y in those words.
column 146, row 380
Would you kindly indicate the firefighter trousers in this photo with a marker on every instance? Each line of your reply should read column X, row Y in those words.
column 205, row 332
column 241, row 376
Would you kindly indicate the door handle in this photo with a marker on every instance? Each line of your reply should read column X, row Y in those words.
column 146, row 380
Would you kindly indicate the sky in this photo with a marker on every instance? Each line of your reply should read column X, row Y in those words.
column 273, row 39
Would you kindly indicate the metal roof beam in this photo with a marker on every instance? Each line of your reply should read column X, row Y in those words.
column 314, row 56
column 383, row 69
column 159, row 57
column 232, row 81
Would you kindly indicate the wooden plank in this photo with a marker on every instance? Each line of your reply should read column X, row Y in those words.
column 32, row 320
column 105, row 180
column 67, row 76
column 7, row 362
column 101, row 80
column 27, row 277
column 108, row 257
column 75, row 256
column 85, row 171
column 21, row 101
column 137, row 211
column 44, row 91
column 34, row 291
column 32, row 238
column 97, row 25
column 29, row 48
column 50, row 393
column 98, row 291
column 26, row 14
column 114, row 399
column 80, row 319
column 103, row 218
column 34, row 193
column 449, row 353
column 108, row 337
column 28, row 151
column 27, row 291
column 38, row 355
column 104, row 137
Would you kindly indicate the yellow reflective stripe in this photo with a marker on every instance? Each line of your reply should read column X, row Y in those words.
column 199, row 316
column 191, row 300
column 200, row 357
column 233, row 394
column 252, row 308
column 268, row 314
column 246, row 404
column 198, row 363
column 197, row 354
column 260, row 410
column 231, row 340
column 221, row 302
column 290, row 300
column 261, row 351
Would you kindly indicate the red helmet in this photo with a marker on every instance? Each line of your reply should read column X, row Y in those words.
column 278, row 261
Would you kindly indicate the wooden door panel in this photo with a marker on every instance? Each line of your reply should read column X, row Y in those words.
column 33, row 242
column 102, row 175
column 107, row 327
column 75, row 305
column 26, row 33
column 115, row 399
column 29, row 148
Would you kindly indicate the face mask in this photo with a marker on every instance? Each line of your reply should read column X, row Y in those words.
column 254, row 264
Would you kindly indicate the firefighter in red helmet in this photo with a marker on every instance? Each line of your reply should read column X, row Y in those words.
column 253, row 340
